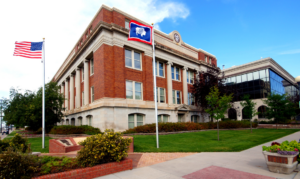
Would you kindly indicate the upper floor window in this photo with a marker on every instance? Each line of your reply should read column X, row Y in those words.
column 176, row 97
column 160, row 95
column 92, row 94
column 135, row 120
column 209, row 60
column 190, row 77
column 132, row 59
column 126, row 24
column 159, row 69
column 133, row 90
column 191, row 100
column 163, row 118
column 206, row 59
column 175, row 73
column 92, row 66
column 86, row 35
column 82, row 74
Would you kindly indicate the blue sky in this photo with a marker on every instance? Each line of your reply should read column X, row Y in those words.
column 235, row 31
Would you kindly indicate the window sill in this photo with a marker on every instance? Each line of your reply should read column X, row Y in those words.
column 134, row 68
column 176, row 80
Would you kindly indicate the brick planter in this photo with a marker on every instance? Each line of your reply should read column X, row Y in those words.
column 92, row 172
column 281, row 163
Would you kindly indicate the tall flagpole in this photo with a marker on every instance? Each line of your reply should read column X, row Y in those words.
column 155, row 97
column 43, row 61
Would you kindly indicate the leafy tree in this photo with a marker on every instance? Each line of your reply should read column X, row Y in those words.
column 279, row 107
column 26, row 109
column 205, row 81
column 217, row 104
column 249, row 108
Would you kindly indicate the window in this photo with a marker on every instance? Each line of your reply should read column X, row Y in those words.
column 62, row 122
column 127, row 24
column 132, row 59
column 175, row 73
column 180, row 118
column 89, row 120
column 209, row 60
column 191, row 100
column 163, row 118
column 82, row 74
column 80, row 121
column 82, row 97
column 262, row 112
column 135, row 120
column 92, row 66
column 92, row 94
column 190, row 77
column 72, row 122
column 206, row 59
column 91, row 30
column 133, row 90
column 176, row 97
column 159, row 69
column 160, row 95
column 67, row 122
column 86, row 35
column 194, row 118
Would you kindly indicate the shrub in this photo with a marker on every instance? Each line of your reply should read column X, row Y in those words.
column 39, row 131
column 67, row 129
column 3, row 145
column 19, row 143
column 57, row 164
column 102, row 148
column 18, row 165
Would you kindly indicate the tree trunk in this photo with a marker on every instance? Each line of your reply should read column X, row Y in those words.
column 211, row 119
column 276, row 124
column 251, row 125
column 218, row 128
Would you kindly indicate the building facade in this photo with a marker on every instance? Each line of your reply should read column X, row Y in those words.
column 258, row 79
column 107, row 80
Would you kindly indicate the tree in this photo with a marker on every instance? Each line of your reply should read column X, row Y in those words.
column 217, row 104
column 26, row 109
column 205, row 81
column 279, row 107
column 249, row 108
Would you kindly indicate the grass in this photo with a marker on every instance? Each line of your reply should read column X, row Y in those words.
column 207, row 141
column 36, row 144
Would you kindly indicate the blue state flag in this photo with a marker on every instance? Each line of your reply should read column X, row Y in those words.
column 140, row 32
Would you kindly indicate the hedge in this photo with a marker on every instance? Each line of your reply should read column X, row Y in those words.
column 187, row 126
column 67, row 129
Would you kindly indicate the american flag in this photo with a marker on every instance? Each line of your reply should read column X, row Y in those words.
column 29, row 49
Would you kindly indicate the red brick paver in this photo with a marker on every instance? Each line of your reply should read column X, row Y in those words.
column 213, row 172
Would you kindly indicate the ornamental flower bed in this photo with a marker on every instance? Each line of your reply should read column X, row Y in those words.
column 282, row 158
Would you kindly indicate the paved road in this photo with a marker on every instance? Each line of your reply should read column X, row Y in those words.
column 251, row 161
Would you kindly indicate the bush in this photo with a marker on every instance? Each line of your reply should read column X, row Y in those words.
column 19, row 143
column 18, row 165
column 57, row 164
column 102, row 148
column 39, row 131
column 187, row 126
column 67, row 129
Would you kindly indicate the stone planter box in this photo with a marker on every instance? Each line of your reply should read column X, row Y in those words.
column 281, row 163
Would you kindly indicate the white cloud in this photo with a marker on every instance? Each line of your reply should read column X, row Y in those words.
column 61, row 22
column 290, row 52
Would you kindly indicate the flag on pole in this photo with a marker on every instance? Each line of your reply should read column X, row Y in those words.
column 140, row 32
column 29, row 49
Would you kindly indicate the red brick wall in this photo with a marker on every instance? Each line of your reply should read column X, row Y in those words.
column 92, row 172
column 74, row 104
column 118, row 19
column 201, row 56
column 69, row 94
column 148, row 78
column 119, row 72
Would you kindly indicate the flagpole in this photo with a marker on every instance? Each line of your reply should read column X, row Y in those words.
column 43, row 61
column 155, row 97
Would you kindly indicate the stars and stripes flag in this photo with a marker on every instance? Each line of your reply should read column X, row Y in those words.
column 29, row 49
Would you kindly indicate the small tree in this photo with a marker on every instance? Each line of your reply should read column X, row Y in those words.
column 217, row 104
column 279, row 107
column 249, row 108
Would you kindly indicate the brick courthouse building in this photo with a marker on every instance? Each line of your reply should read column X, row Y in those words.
column 108, row 81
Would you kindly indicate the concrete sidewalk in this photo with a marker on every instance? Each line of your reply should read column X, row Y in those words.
column 251, row 161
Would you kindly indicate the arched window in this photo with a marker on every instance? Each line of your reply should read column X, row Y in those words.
column 163, row 118
column 262, row 112
column 135, row 120
column 80, row 121
column 89, row 120
column 194, row 118
column 62, row 122
column 232, row 113
column 73, row 122
column 67, row 121
column 245, row 115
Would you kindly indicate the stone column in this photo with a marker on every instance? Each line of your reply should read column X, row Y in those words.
column 86, row 82
column 169, row 82
column 72, row 92
column 66, row 94
column 184, row 83
column 77, row 85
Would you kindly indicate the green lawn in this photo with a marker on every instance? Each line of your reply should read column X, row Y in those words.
column 207, row 141
column 36, row 144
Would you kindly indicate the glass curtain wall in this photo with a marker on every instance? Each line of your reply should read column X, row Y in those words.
column 281, row 86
